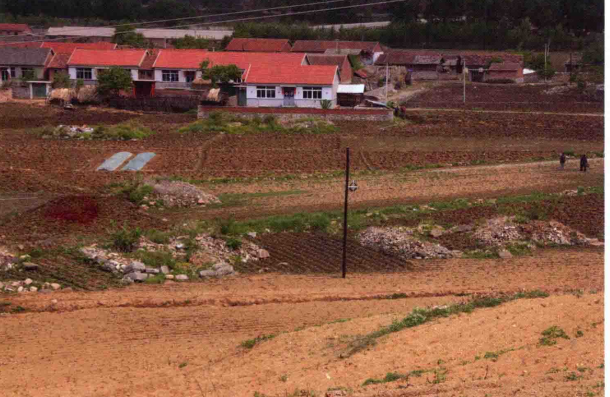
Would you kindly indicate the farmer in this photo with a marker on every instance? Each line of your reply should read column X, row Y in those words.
column 562, row 160
column 584, row 163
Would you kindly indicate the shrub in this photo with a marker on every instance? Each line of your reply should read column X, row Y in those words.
column 136, row 193
column 326, row 104
column 61, row 80
column 157, row 259
column 124, row 131
column 125, row 240
column 233, row 243
column 113, row 80
column 269, row 119
column 157, row 236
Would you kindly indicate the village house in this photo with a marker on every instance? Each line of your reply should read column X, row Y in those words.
column 14, row 29
column 505, row 71
column 369, row 50
column 87, row 65
column 291, row 86
column 341, row 61
column 63, row 51
column 478, row 64
column 259, row 45
column 26, row 68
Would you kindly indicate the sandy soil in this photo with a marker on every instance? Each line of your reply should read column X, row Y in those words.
column 184, row 340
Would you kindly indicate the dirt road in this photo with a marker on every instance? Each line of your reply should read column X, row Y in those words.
column 184, row 340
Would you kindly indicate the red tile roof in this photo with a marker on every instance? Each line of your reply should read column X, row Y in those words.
column 70, row 47
column 321, row 45
column 17, row 44
column 18, row 27
column 402, row 57
column 345, row 68
column 132, row 58
column 483, row 59
column 59, row 61
column 506, row 66
column 259, row 45
column 283, row 74
column 150, row 59
column 191, row 59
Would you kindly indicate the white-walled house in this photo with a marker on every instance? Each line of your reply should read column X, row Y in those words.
column 300, row 86
column 86, row 65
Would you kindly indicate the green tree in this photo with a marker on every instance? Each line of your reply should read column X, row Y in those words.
column 220, row 73
column 192, row 42
column 126, row 35
column 61, row 80
column 113, row 80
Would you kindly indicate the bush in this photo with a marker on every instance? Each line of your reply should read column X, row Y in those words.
column 123, row 132
column 61, row 80
column 157, row 259
column 125, row 240
column 326, row 104
column 113, row 80
column 233, row 243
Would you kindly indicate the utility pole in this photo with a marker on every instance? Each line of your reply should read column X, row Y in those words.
column 386, row 83
column 464, row 78
column 344, row 266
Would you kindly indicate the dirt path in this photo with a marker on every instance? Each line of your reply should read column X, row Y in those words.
column 502, row 111
column 183, row 339
column 406, row 188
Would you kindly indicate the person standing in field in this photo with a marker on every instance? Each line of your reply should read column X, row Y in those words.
column 562, row 160
column 584, row 163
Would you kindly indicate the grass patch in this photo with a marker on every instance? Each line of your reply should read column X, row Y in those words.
column 494, row 356
column 572, row 376
column 550, row 336
column 250, row 343
column 519, row 249
column 156, row 279
column 421, row 316
column 300, row 222
column 389, row 377
column 125, row 239
column 157, row 236
column 156, row 259
column 241, row 199
column 232, row 124
column 118, row 132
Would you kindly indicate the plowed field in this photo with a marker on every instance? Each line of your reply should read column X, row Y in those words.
column 184, row 340
column 505, row 97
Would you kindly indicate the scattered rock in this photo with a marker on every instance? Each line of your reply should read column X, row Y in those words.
column 152, row 270
column 263, row 254
column 54, row 301
column 505, row 254
column 28, row 281
column 181, row 194
column 182, row 277
column 20, row 289
column 164, row 269
column 223, row 269
column 135, row 267
column 33, row 289
column 137, row 276
column 437, row 232
column 464, row 228
column 400, row 242
column 55, row 286
column 252, row 234
column 169, row 276
column 207, row 273
column 30, row 267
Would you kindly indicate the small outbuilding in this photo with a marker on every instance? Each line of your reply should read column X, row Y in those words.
column 350, row 95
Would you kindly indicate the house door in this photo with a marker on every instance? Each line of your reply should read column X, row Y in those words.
column 289, row 96
column 4, row 75
column 241, row 97
column 39, row 90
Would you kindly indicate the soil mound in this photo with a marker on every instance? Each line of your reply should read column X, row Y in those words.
column 181, row 194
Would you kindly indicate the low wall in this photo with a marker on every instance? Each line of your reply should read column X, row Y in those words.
column 301, row 113
column 21, row 92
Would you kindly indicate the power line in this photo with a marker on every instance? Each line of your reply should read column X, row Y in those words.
column 83, row 29
column 245, row 19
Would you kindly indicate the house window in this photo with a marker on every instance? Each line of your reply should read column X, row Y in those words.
column 170, row 75
column 145, row 75
column 312, row 93
column 84, row 74
column 4, row 75
column 27, row 72
column 265, row 92
column 189, row 76
column 13, row 70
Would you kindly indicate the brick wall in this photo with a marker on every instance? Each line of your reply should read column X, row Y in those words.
column 21, row 92
column 301, row 113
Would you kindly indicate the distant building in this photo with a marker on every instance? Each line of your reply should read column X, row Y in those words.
column 14, row 29
column 342, row 61
column 369, row 50
column 259, row 45
column 505, row 71
column 161, row 38
column 26, row 66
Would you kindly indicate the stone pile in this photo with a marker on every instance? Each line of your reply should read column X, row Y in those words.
column 401, row 242
column 28, row 285
column 499, row 232
column 71, row 131
column 555, row 233
column 7, row 260
column 180, row 194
